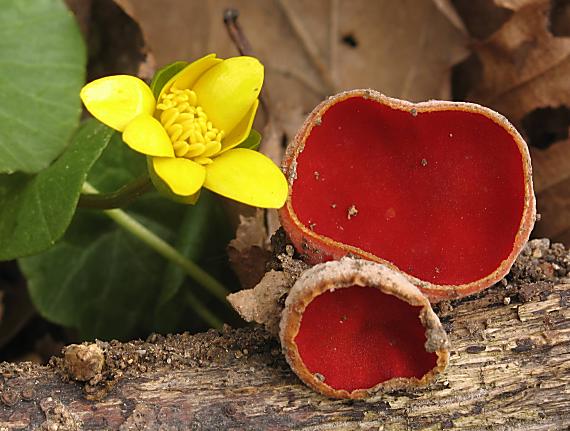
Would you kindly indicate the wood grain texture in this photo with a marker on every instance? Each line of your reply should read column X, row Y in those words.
column 509, row 370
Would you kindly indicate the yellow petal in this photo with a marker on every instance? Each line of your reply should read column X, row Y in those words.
column 241, row 131
column 164, row 190
column 146, row 135
column 247, row 176
column 117, row 100
column 188, row 76
column 184, row 177
column 228, row 90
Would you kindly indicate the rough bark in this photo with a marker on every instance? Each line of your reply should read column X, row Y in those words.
column 509, row 369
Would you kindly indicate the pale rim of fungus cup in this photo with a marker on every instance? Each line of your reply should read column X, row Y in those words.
column 318, row 245
column 404, row 303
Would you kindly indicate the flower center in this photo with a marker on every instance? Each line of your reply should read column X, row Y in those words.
column 192, row 135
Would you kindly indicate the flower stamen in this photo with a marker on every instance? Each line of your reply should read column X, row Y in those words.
column 193, row 136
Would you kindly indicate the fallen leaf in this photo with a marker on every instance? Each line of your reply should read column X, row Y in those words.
column 525, row 67
column 553, row 205
column 551, row 172
column 560, row 18
column 520, row 68
column 115, row 42
column 82, row 11
column 481, row 18
column 251, row 232
column 312, row 49
column 249, row 251
column 447, row 8
column 404, row 49
column 550, row 166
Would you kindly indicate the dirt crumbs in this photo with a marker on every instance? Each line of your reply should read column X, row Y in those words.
column 83, row 362
column 102, row 364
column 58, row 417
column 284, row 256
column 539, row 266
column 132, row 359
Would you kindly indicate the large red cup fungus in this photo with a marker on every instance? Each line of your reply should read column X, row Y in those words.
column 352, row 327
column 442, row 191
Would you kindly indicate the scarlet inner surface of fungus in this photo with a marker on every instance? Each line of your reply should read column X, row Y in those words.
column 357, row 337
column 439, row 194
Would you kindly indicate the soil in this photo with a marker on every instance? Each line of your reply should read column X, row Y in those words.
column 508, row 369
column 539, row 267
column 176, row 352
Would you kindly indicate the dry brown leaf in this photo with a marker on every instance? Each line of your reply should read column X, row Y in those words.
column 404, row 49
column 551, row 172
column 553, row 205
column 514, row 4
column 560, row 18
column 115, row 41
column 525, row 69
column 525, row 66
column 448, row 9
column 274, row 134
column 550, row 166
column 251, row 232
column 482, row 18
column 249, row 251
column 82, row 11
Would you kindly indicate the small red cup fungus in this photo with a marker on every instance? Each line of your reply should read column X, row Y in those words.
column 352, row 327
column 442, row 191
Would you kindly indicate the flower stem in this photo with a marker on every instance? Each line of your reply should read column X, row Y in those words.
column 202, row 311
column 243, row 46
column 164, row 249
column 117, row 199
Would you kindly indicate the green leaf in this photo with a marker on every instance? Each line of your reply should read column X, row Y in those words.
column 196, row 230
column 163, row 75
column 105, row 282
column 36, row 210
column 252, row 141
column 117, row 166
column 42, row 68
column 202, row 236
column 98, row 279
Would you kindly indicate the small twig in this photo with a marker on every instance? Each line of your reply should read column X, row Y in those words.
column 243, row 46
column 164, row 249
column 270, row 145
column 333, row 39
column 309, row 46
column 117, row 199
column 235, row 31
column 202, row 311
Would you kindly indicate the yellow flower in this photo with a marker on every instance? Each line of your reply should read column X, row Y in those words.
column 191, row 130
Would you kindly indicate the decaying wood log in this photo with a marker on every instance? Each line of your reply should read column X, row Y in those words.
column 509, row 369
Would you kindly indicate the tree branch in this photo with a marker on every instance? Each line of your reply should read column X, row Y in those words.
column 509, row 369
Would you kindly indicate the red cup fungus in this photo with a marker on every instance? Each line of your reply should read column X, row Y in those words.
column 441, row 191
column 353, row 327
